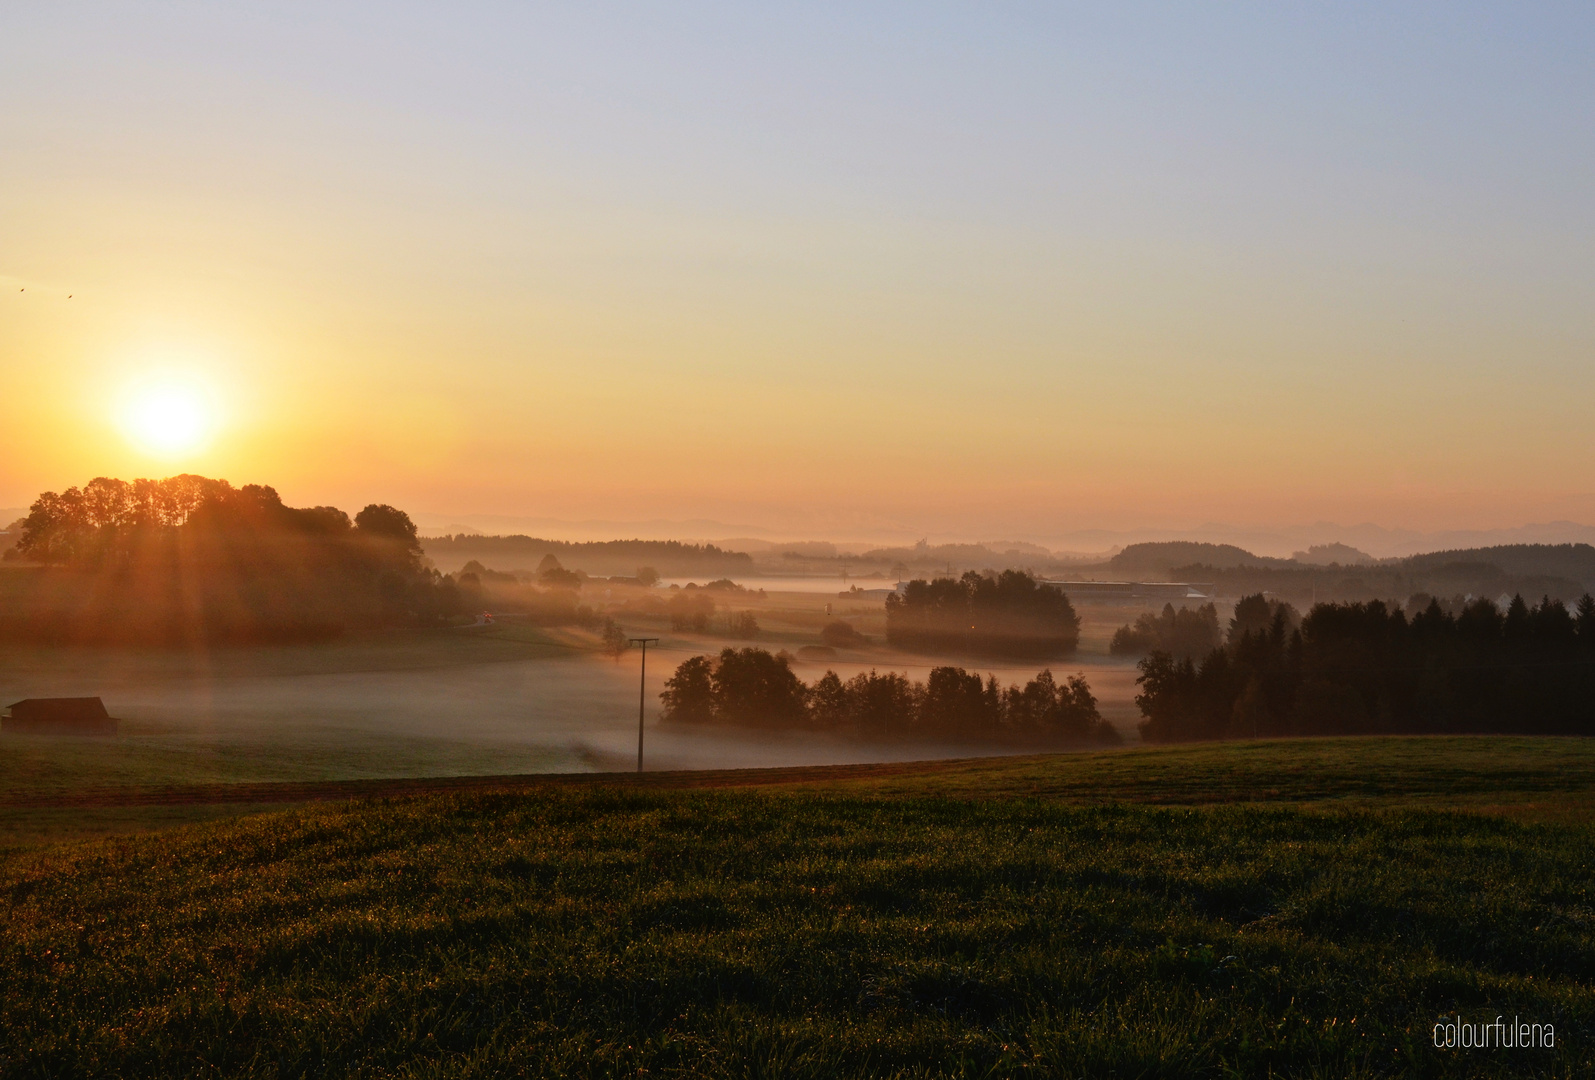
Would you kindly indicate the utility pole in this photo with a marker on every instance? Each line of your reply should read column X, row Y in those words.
column 642, row 689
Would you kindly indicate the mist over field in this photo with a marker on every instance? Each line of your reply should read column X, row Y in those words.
column 237, row 638
column 449, row 715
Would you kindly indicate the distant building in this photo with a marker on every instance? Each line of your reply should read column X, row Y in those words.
column 57, row 716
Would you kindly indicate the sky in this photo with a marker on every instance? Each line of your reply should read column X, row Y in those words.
column 995, row 270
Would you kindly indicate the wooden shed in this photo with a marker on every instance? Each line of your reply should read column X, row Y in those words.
column 57, row 716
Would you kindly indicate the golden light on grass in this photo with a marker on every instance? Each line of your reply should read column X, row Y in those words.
column 168, row 417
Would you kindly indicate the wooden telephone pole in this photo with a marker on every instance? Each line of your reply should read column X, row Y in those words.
column 642, row 689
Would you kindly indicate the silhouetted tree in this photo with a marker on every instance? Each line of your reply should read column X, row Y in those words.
column 380, row 520
column 550, row 573
column 881, row 705
column 614, row 639
column 753, row 687
column 688, row 696
column 1256, row 614
column 1184, row 633
column 828, row 704
column 955, row 701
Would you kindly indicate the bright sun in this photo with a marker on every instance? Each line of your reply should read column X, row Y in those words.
column 168, row 418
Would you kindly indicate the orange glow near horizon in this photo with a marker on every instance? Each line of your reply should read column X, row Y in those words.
column 959, row 290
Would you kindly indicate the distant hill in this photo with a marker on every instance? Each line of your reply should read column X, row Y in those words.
column 1162, row 557
column 1575, row 562
column 1332, row 554
column 1340, row 572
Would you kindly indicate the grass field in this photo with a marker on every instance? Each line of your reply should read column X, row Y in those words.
column 1291, row 909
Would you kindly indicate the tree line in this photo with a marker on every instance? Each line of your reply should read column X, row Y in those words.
column 1000, row 615
column 190, row 558
column 671, row 558
column 1561, row 571
column 1358, row 668
column 750, row 687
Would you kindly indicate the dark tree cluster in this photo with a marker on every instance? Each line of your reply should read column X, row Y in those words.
column 1001, row 615
column 555, row 576
column 751, row 688
column 1362, row 668
column 190, row 558
column 1185, row 633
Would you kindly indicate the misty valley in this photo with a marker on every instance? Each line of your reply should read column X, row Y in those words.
column 237, row 638
column 804, row 541
column 218, row 666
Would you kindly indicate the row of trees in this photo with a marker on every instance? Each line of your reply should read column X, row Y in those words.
column 190, row 558
column 670, row 558
column 750, row 687
column 1367, row 667
column 1000, row 615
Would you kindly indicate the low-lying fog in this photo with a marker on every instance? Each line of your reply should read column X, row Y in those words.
column 562, row 712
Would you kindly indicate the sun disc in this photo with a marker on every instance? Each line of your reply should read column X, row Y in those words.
column 168, row 419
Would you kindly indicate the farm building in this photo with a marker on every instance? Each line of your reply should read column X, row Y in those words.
column 57, row 716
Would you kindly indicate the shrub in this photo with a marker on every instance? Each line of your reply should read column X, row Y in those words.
column 841, row 635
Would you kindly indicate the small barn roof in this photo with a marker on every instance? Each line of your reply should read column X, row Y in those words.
column 62, row 707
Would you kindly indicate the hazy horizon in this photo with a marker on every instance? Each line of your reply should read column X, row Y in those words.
column 1280, row 541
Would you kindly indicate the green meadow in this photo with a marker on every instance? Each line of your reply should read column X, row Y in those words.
column 1306, row 908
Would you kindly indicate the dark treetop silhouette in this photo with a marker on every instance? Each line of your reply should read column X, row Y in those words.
column 1366, row 667
column 1000, row 615
column 189, row 558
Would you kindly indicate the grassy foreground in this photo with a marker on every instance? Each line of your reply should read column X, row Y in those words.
column 974, row 922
